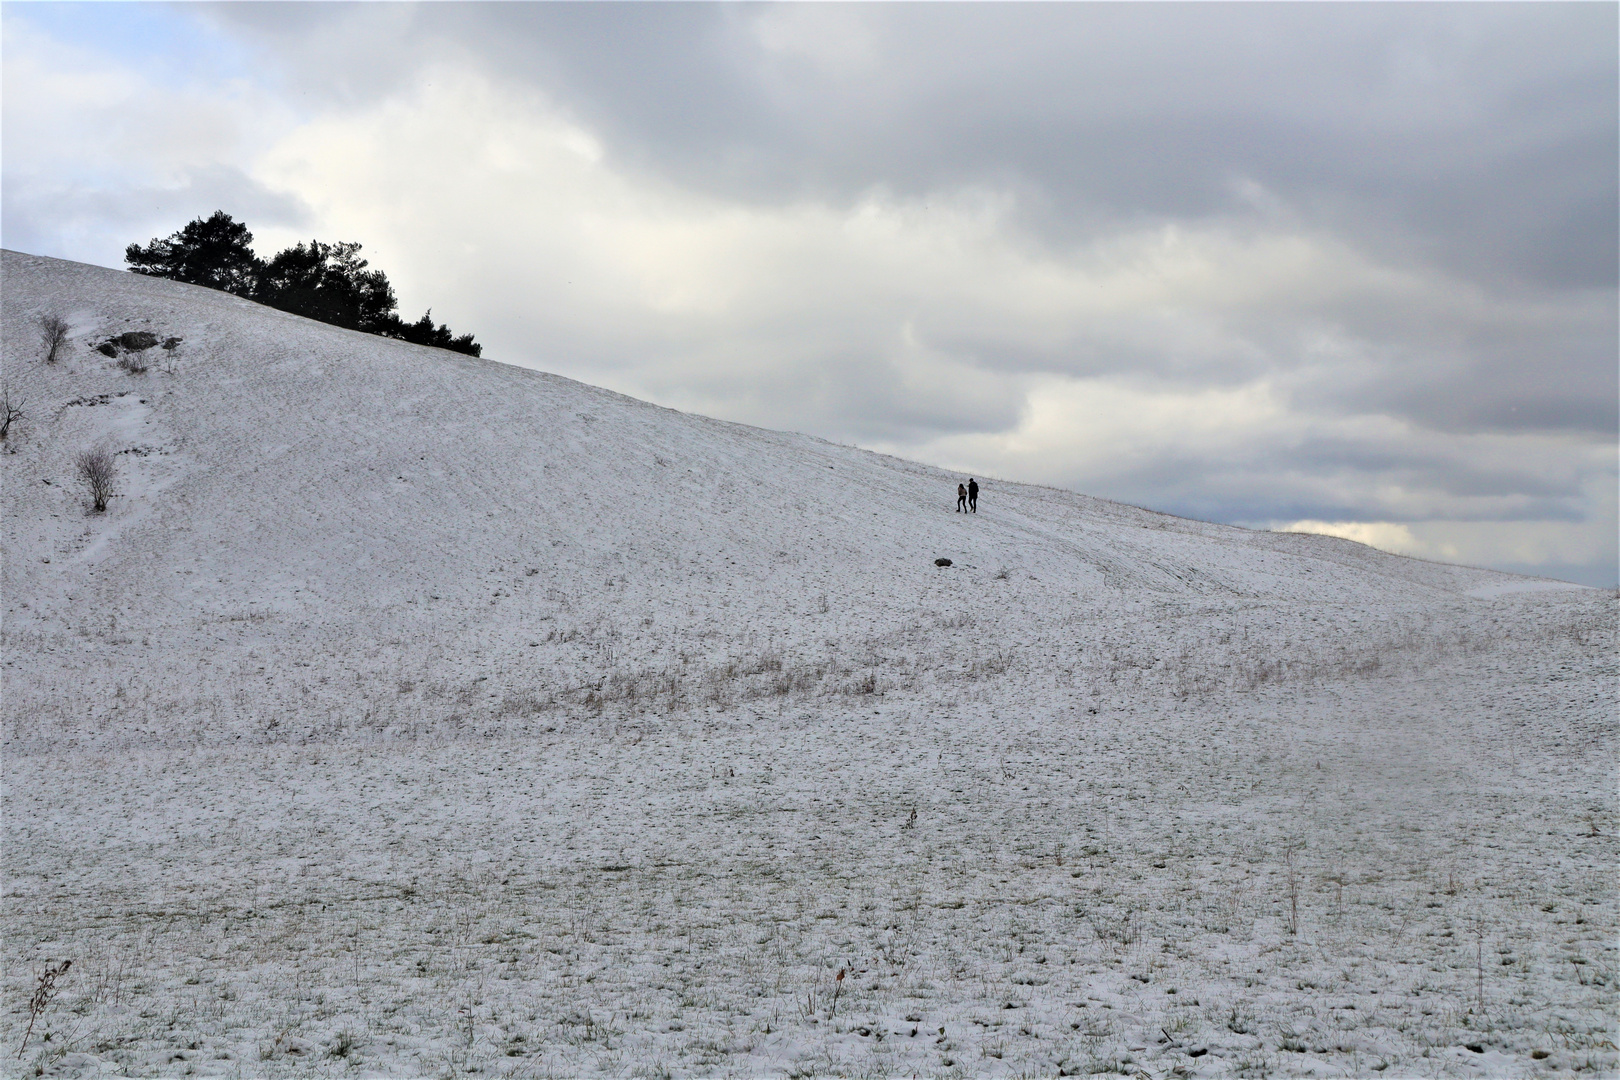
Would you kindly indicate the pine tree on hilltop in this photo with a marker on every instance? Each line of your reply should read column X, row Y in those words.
column 326, row 282
column 423, row 332
column 214, row 253
column 329, row 282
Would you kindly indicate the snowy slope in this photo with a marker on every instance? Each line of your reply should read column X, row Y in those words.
column 376, row 637
column 350, row 514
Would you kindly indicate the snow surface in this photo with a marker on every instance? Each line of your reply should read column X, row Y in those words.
column 1502, row 588
column 410, row 713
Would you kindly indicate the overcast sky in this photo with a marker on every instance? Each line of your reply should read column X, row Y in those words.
column 1343, row 267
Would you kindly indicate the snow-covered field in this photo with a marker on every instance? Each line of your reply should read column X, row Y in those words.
column 412, row 714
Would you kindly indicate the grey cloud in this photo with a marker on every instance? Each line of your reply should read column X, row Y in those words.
column 1483, row 136
column 1329, row 475
column 1500, row 159
column 1265, row 490
column 1445, row 474
column 868, row 402
column 1148, row 348
column 831, row 392
column 1479, row 141
column 1551, row 369
column 1558, row 374
column 331, row 53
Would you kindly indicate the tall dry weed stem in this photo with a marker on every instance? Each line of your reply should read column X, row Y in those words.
column 1293, row 893
column 44, row 991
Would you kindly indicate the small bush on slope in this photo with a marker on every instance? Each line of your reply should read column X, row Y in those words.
column 54, row 332
column 11, row 411
column 97, row 471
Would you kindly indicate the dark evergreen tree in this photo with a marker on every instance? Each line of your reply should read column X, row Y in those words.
column 326, row 282
column 214, row 252
column 423, row 332
column 330, row 283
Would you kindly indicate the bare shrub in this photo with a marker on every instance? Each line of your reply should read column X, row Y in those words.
column 11, row 410
column 44, row 991
column 97, row 470
column 53, row 331
column 135, row 363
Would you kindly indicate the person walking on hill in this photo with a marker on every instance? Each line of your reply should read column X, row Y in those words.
column 973, row 495
column 961, row 499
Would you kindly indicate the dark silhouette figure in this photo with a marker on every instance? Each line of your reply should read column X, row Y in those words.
column 961, row 499
column 973, row 495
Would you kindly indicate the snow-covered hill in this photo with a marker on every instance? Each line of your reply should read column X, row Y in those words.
column 309, row 519
column 374, row 635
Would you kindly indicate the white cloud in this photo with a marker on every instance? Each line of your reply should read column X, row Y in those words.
column 1384, row 535
column 836, row 38
column 1107, row 426
column 91, row 141
column 496, row 205
column 1555, row 546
